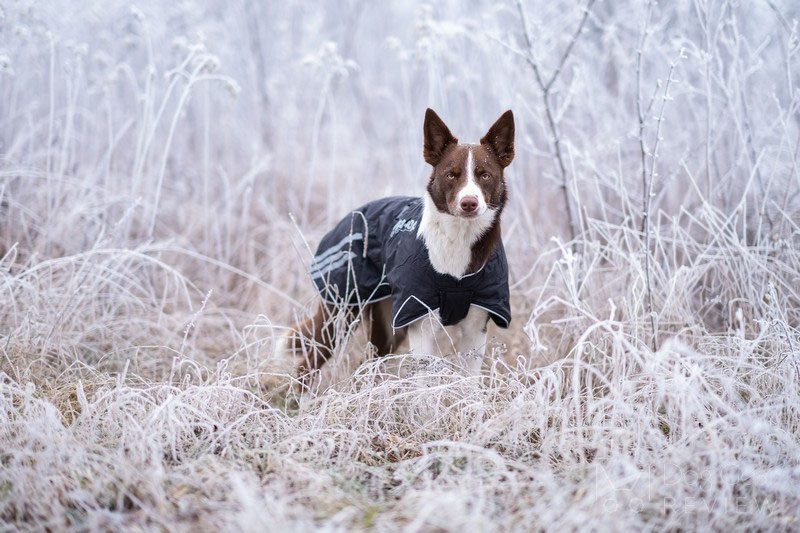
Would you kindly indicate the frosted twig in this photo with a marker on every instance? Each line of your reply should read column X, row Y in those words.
column 545, row 87
column 648, row 196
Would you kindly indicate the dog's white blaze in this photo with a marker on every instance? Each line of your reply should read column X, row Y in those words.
column 471, row 187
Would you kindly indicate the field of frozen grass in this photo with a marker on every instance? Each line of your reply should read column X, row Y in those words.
column 165, row 170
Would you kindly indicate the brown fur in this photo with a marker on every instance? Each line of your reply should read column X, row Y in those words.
column 379, row 320
column 314, row 338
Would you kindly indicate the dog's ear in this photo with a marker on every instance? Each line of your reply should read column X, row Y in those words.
column 436, row 137
column 500, row 138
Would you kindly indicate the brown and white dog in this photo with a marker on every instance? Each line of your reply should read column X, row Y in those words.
column 460, row 228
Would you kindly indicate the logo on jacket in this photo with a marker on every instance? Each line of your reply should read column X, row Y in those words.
column 403, row 225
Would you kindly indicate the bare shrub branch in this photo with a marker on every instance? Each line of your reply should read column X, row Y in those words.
column 545, row 86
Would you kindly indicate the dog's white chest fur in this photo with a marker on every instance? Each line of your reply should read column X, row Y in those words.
column 449, row 239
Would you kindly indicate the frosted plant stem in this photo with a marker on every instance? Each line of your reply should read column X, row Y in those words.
column 545, row 87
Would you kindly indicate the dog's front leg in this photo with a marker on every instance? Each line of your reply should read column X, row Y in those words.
column 427, row 336
column 473, row 339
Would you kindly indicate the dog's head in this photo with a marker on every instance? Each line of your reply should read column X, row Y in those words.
column 467, row 179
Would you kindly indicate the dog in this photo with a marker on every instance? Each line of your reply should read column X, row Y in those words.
column 431, row 268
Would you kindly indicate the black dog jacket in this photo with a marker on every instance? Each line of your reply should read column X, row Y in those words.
column 374, row 253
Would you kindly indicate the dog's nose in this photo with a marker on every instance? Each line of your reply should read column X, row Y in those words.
column 469, row 204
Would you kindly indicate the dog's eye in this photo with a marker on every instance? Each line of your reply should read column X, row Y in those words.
column 486, row 176
column 450, row 176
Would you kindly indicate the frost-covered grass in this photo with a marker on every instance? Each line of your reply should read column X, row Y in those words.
column 149, row 162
